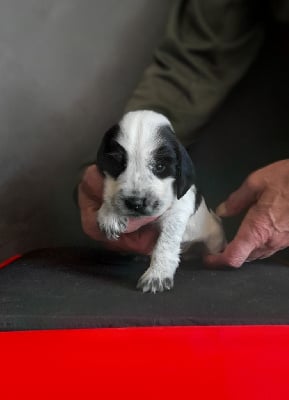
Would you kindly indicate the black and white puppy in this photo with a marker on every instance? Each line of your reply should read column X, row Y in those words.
column 149, row 173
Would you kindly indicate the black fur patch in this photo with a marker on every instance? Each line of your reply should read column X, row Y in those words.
column 111, row 156
column 164, row 161
column 199, row 198
column 182, row 167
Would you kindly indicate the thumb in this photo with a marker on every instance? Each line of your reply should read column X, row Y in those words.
column 239, row 200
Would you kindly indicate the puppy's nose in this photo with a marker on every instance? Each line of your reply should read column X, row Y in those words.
column 135, row 203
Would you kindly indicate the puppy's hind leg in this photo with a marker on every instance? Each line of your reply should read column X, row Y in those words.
column 215, row 240
column 205, row 226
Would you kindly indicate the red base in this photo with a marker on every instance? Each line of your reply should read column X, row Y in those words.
column 146, row 363
column 10, row 260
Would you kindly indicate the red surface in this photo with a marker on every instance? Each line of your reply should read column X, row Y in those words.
column 146, row 363
column 9, row 261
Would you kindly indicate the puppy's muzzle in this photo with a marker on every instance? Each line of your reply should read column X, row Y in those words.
column 139, row 205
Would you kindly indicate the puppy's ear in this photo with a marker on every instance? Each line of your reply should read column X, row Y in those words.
column 185, row 171
column 105, row 146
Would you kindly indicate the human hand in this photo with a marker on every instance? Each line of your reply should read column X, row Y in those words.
column 140, row 236
column 265, row 228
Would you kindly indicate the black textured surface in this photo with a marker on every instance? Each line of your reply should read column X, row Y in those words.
column 77, row 288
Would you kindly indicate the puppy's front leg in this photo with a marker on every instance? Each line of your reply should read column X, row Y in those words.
column 165, row 257
column 110, row 223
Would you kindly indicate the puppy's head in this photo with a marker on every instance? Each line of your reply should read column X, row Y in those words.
column 146, row 168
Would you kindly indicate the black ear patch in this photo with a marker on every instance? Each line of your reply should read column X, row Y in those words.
column 184, row 171
column 111, row 156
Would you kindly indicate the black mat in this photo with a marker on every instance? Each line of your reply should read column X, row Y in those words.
column 77, row 288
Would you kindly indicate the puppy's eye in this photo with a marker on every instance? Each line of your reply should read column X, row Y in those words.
column 117, row 157
column 159, row 167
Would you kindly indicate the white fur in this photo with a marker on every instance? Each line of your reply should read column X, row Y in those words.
column 138, row 137
column 179, row 223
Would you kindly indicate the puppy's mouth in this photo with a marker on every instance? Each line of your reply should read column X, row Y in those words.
column 137, row 207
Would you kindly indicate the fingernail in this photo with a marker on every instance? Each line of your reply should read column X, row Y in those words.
column 221, row 210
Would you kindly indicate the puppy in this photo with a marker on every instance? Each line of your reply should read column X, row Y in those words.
column 148, row 172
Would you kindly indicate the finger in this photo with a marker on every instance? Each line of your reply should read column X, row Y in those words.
column 264, row 252
column 90, row 225
column 90, row 188
column 260, row 254
column 239, row 200
column 93, row 178
column 142, row 241
column 239, row 249
column 234, row 255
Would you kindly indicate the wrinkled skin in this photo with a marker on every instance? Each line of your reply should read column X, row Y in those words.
column 265, row 227
column 141, row 234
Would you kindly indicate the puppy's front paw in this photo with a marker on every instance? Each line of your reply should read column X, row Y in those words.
column 155, row 281
column 112, row 225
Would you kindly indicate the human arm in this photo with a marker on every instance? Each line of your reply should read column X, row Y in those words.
column 207, row 48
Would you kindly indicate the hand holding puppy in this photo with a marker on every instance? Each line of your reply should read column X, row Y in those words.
column 139, row 238
column 265, row 228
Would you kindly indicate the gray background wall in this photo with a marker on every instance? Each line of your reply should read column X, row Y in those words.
column 67, row 68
